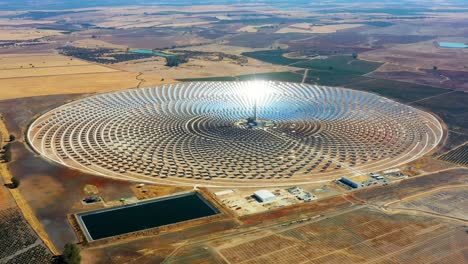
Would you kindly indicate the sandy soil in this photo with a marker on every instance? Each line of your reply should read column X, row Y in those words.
column 16, row 61
column 130, row 22
column 200, row 68
column 135, row 18
column 253, row 29
column 342, row 239
column 449, row 201
column 25, row 34
column 53, row 71
column 249, row 29
column 186, row 24
column 309, row 28
column 155, row 42
column 138, row 20
column 19, row 22
column 381, row 194
column 57, row 74
column 95, row 43
column 414, row 63
column 6, row 200
column 152, row 191
column 419, row 55
column 72, row 84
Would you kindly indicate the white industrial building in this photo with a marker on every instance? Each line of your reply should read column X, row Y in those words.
column 264, row 196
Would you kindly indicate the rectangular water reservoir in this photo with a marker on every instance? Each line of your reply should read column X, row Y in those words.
column 144, row 215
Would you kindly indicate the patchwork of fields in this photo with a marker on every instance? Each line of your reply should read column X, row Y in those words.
column 49, row 74
column 55, row 52
column 363, row 235
column 450, row 202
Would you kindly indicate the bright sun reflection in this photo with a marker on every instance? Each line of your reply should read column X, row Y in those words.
column 257, row 89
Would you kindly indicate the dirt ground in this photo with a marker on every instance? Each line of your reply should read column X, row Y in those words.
column 25, row 61
column 420, row 55
column 412, row 186
column 309, row 28
column 197, row 68
column 429, row 164
column 49, row 74
column 6, row 200
column 74, row 84
column 57, row 70
column 150, row 41
column 415, row 63
column 452, row 202
column 8, row 33
column 110, row 17
column 53, row 192
column 95, row 43
column 354, row 237
column 235, row 50
column 152, row 191
column 253, row 29
column 19, row 22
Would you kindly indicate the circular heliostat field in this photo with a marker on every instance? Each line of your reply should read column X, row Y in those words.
column 234, row 134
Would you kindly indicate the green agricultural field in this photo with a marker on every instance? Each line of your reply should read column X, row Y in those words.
column 337, row 64
column 333, row 77
column 271, row 56
column 272, row 76
column 340, row 64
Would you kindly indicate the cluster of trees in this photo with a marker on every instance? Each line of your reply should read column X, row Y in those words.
column 184, row 55
column 70, row 255
column 102, row 55
column 87, row 54
column 7, row 156
column 174, row 61
column 15, row 183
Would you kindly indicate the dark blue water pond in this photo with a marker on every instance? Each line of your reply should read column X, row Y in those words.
column 148, row 214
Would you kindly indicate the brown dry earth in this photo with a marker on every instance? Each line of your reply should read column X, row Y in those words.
column 51, row 191
column 48, row 74
column 197, row 68
column 414, row 63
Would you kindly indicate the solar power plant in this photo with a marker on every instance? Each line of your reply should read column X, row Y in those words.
column 243, row 134
column 458, row 155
